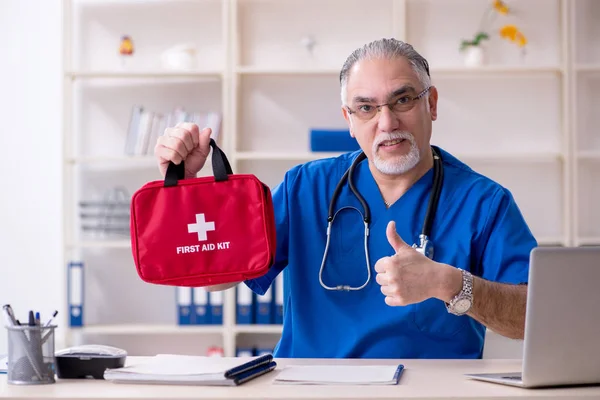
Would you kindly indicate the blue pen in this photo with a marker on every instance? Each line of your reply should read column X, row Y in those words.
column 37, row 318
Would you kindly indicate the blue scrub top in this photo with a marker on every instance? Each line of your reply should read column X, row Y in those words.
column 478, row 227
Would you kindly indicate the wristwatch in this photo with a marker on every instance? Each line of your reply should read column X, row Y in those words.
column 462, row 302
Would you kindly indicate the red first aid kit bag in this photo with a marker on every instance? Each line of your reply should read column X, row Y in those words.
column 202, row 231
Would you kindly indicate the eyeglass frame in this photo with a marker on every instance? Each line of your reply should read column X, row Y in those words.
column 379, row 106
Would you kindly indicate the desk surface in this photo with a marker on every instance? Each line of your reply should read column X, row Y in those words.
column 422, row 379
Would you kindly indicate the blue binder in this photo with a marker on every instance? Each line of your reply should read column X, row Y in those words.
column 244, row 352
column 264, row 305
column 75, row 294
column 200, row 310
column 215, row 301
column 185, row 314
column 244, row 305
column 332, row 140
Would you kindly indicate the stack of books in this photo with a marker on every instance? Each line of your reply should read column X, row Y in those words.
column 145, row 126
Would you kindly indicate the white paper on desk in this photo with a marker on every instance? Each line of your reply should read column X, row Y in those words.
column 176, row 368
column 339, row 374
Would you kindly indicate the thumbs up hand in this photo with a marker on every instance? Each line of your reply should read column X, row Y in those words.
column 408, row 276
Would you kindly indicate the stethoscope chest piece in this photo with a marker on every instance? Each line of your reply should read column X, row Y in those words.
column 425, row 246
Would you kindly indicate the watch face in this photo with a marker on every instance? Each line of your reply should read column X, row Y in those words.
column 462, row 306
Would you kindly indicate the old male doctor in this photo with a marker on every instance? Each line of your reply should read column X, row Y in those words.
column 400, row 302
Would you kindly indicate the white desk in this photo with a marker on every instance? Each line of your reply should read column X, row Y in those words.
column 422, row 379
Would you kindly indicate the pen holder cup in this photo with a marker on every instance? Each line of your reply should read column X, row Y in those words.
column 31, row 355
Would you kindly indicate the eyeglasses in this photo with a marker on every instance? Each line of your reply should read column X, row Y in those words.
column 398, row 105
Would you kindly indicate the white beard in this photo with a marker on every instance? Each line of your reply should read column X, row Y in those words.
column 400, row 164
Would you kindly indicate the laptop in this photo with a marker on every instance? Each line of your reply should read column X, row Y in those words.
column 562, row 325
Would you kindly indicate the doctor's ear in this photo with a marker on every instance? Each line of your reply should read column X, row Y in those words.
column 432, row 101
column 346, row 115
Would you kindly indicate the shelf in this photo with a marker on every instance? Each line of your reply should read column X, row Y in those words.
column 588, row 241
column 101, row 244
column 210, row 74
column 460, row 70
column 479, row 157
column 274, row 156
column 151, row 329
column 257, row 328
column 550, row 241
column 150, row 161
column 591, row 155
column 155, row 329
column 495, row 70
column 587, row 67
column 286, row 71
column 514, row 157
column 128, row 160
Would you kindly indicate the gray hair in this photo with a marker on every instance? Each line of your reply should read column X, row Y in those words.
column 386, row 48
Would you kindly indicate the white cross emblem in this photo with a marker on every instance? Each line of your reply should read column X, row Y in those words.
column 201, row 227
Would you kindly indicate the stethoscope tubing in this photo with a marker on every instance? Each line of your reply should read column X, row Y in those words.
column 438, row 176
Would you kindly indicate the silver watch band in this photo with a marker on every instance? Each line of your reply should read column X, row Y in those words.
column 463, row 301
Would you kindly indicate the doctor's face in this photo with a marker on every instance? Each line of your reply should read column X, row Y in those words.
column 396, row 135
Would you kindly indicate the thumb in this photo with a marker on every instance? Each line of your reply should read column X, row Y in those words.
column 204, row 139
column 395, row 240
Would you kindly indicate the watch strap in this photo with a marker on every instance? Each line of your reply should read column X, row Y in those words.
column 465, row 293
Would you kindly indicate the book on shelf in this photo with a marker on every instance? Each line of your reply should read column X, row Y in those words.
column 196, row 306
column 106, row 217
column 146, row 126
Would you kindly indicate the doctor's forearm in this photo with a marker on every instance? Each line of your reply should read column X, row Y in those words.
column 500, row 307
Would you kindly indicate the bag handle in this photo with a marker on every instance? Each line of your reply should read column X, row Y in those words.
column 220, row 164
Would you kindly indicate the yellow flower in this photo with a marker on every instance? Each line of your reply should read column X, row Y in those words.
column 508, row 32
column 501, row 7
column 512, row 33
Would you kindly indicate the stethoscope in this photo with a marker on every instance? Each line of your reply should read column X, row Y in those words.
column 425, row 245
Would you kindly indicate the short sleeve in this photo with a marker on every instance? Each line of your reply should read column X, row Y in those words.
column 281, row 209
column 508, row 242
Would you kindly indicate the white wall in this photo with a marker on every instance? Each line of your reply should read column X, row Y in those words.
column 30, row 153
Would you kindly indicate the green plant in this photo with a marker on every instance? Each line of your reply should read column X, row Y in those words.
column 511, row 32
column 479, row 37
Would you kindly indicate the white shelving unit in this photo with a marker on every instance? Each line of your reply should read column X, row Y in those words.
column 528, row 123
column 586, row 134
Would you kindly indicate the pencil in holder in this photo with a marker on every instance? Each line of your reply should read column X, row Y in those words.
column 31, row 358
